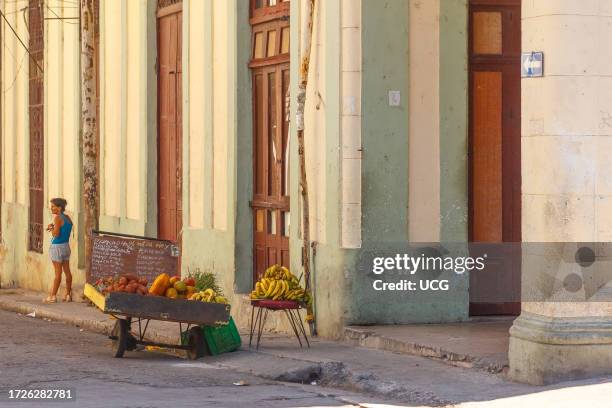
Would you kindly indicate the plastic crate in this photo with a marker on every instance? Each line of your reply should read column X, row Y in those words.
column 222, row 339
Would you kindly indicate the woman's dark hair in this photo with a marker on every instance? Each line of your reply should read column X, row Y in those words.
column 59, row 202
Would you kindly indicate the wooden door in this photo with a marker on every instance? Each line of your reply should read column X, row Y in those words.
column 169, row 26
column 495, row 144
column 270, row 73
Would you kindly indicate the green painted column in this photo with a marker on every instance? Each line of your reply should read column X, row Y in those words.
column 384, row 131
column 453, row 120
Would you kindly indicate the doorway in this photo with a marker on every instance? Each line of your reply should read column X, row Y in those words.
column 495, row 146
column 170, row 129
column 270, row 77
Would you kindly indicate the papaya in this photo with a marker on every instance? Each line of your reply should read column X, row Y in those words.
column 160, row 284
column 171, row 293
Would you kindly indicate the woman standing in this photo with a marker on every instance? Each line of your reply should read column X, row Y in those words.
column 60, row 229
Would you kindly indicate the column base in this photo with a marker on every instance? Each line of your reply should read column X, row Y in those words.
column 545, row 350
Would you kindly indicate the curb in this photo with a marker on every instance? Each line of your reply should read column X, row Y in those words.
column 25, row 308
column 369, row 339
column 96, row 326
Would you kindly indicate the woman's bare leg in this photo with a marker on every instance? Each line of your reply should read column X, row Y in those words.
column 66, row 267
column 57, row 267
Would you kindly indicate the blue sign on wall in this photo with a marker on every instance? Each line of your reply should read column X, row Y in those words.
column 532, row 64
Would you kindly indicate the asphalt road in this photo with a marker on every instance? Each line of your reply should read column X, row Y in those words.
column 36, row 353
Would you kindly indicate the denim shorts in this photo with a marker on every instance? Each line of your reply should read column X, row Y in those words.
column 60, row 252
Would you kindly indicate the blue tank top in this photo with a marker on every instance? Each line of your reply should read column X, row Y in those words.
column 65, row 230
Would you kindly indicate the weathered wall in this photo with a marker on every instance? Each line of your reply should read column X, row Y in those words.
column 18, row 266
column 209, row 138
column 128, row 106
column 388, row 134
column 453, row 121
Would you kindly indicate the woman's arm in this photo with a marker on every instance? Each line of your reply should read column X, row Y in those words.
column 57, row 224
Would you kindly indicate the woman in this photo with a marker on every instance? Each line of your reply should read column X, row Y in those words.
column 60, row 229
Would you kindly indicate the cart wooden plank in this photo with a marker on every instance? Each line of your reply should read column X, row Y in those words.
column 96, row 297
column 172, row 310
column 160, row 308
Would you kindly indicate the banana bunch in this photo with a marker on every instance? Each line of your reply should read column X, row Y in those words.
column 278, row 283
column 208, row 296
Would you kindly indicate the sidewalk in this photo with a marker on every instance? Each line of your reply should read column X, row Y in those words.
column 399, row 377
column 481, row 343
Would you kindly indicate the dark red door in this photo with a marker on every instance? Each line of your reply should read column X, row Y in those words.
column 495, row 146
column 169, row 38
column 270, row 73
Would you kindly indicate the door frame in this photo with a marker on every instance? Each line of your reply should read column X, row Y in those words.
column 514, row 235
column 166, row 8
column 264, row 20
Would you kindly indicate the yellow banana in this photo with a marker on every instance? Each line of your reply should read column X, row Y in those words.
column 258, row 288
column 285, row 289
column 278, row 288
column 264, row 284
column 271, row 288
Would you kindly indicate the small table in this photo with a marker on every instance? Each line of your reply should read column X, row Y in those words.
column 291, row 309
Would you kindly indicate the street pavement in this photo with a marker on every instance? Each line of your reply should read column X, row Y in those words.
column 35, row 353
column 40, row 353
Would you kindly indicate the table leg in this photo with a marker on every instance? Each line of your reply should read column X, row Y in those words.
column 262, row 324
column 303, row 329
column 253, row 324
column 293, row 325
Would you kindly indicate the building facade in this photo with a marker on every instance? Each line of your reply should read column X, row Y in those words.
column 418, row 128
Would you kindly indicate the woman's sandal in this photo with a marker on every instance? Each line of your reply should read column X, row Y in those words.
column 68, row 297
column 50, row 299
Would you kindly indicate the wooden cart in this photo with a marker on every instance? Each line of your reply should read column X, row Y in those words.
column 131, row 309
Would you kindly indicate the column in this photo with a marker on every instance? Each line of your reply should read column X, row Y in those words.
column 563, row 333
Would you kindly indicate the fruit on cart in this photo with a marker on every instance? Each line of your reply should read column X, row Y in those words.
column 204, row 280
column 171, row 293
column 190, row 291
column 189, row 281
column 180, row 286
column 122, row 283
column 160, row 284
column 208, row 296
column 278, row 283
column 174, row 279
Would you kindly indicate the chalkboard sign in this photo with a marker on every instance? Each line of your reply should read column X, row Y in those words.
column 114, row 254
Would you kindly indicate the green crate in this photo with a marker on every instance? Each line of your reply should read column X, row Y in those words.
column 222, row 339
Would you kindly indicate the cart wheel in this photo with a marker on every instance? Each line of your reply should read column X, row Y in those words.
column 197, row 346
column 119, row 337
